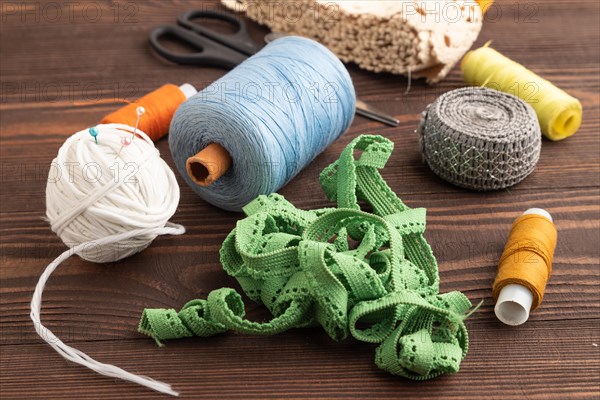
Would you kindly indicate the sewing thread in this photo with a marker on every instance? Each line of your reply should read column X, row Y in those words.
column 106, row 209
column 273, row 114
column 527, row 259
column 160, row 106
column 485, row 5
column 559, row 113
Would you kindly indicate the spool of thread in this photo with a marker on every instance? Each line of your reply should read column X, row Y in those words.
column 525, row 266
column 106, row 202
column 485, row 5
column 480, row 138
column 160, row 106
column 255, row 128
column 559, row 113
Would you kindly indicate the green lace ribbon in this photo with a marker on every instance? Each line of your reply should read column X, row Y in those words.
column 369, row 275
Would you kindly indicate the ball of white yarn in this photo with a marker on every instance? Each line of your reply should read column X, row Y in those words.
column 118, row 198
column 108, row 196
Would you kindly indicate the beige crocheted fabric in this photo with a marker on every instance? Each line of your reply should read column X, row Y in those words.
column 424, row 38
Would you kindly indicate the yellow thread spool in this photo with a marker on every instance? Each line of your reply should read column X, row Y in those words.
column 525, row 266
column 559, row 113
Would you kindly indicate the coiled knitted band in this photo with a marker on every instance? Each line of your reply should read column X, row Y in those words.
column 480, row 138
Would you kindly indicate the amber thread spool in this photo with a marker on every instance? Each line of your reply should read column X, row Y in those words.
column 525, row 266
column 160, row 106
column 485, row 5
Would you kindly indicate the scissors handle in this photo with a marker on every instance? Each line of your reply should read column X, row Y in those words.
column 209, row 53
column 240, row 40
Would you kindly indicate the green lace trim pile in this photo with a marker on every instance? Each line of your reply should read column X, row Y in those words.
column 369, row 275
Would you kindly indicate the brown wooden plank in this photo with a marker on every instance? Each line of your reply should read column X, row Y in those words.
column 566, row 164
column 538, row 361
column 466, row 234
column 54, row 78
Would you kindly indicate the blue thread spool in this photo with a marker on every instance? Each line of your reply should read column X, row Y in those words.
column 273, row 115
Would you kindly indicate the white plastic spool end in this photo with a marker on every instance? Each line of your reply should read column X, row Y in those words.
column 188, row 90
column 514, row 301
column 514, row 304
column 539, row 211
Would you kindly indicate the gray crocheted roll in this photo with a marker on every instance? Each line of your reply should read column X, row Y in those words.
column 480, row 138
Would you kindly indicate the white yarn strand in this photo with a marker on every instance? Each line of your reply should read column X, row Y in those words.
column 117, row 214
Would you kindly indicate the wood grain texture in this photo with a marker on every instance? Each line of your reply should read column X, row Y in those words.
column 54, row 74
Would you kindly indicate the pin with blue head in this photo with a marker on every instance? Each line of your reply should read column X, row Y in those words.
column 94, row 133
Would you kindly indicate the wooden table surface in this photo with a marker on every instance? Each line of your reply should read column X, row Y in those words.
column 56, row 69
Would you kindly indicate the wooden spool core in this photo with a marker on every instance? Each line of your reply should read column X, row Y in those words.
column 208, row 165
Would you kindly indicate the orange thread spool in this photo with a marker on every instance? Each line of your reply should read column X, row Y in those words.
column 160, row 106
column 525, row 265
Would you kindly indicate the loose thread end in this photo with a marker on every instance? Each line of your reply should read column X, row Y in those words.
column 467, row 315
column 489, row 78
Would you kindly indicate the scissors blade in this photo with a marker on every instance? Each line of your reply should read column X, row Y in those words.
column 370, row 112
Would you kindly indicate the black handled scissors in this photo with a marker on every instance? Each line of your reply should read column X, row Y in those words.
column 214, row 49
